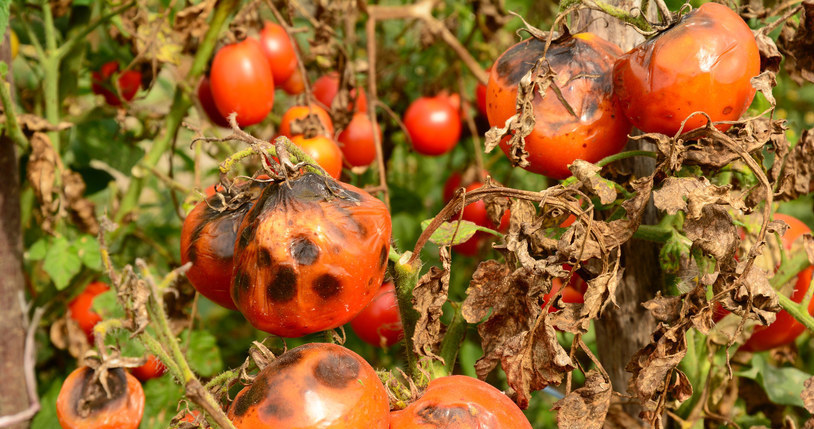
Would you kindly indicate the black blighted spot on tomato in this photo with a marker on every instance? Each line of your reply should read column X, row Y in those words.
column 443, row 415
column 246, row 236
column 336, row 370
column 264, row 258
column 83, row 403
column 289, row 358
column 276, row 406
column 116, row 382
column 255, row 395
column 383, row 256
column 327, row 286
column 304, row 251
column 283, row 287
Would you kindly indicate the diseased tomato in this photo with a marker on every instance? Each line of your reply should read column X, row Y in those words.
column 208, row 103
column 433, row 124
column 295, row 84
column 153, row 368
column 326, row 87
column 82, row 402
column 313, row 386
column 379, row 324
column 357, row 139
column 79, row 309
column 128, row 83
column 292, row 122
column 279, row 50
column 325, row 152
column 310, row 255
column 460, row 402
column 208, row 240
column 242, row 82
column 704, row 63
column 583, row 65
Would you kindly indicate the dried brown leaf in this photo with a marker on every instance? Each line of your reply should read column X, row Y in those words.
column 82, row 210
column 588, row 174
column 33, row 123
column 770, row 56
column 798, row 44
column 797, row 177
column 752, row 288
column 714, row 232
column 808, row 394
column 664, row 308
column 429, row 296
column 191, row 24
column 587, row 406
column 764, row 83
column 41, row 172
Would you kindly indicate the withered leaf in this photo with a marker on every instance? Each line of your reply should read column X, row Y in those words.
column 770, row 56
column 429, row 296
column 670, row 198
column 808, row 394
column 42, row 166
column 798, row 44
column 82, row 210
column 808, row 245
column 714, row 232
column 664, row 308
column 587, row 406
column 798, row 171
column 754, row 285
column 526, row 239
column 654, row 368
column 33, row 123
column 588, row 174
column 699, row 193
column 191, row 23
column 764, row 83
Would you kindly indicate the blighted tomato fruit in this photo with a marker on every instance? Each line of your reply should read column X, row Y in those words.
column 596, row 128
column 310, row 255
column 313, row 386
column 82, row 402
column 208, row 240
column 460, row 402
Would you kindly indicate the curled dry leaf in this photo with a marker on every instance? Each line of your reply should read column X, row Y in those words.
column 664, row 308
column 770, row 56
column 588, row 174
column 191, row 24
column 798, row 44
column 797, row 177
column 587, row 406
column 429, row 296
column 33, row 123
column 764, row 83
column 714, row 232
column 82, row 210
column 526, row 240
column 751, row 292
column 808, row 394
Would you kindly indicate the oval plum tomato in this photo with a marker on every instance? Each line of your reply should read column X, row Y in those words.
column 280, row 52
column 379, row 324
column 326, row 87
column 785, row 328
column 82, row 402
column 128, row 83
column 358, row 144
column 208, row 241
column 79, row 309
column 313, row 386
column 583, row 65
column 208, row 103
column 324, row 151
column 153, row 368
column 242, row 82
column 310, row 255
column 292, row 122
column 295, row 84
column 704, row 63
column 433, row 124
column 460, row 402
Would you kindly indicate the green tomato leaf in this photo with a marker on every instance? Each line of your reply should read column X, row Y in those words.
column 446, row 234
column 4, row 16
column 102, row 139
column 46, row 418
column 106, row 305
column 782, row 385
column 61, row 263
column 88, row 250
column 129, row 347
column 38, row 250
column 202, row 353
column 161, row 396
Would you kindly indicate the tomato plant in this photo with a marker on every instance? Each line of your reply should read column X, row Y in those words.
column 127, row 83
column 153, row 368
column 475, row 213
column 280, row 52
column 82, row 402
column 326, row 87
column 324, row 151
column 79, row 309
column 379, row 324
column 208, row 103
column 296, row 121
column 295, row 84
column 357, row 139
column 242, row 82
column 433, row 124
column 702, row 64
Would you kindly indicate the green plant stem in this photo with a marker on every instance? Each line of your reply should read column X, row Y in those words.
column 456, row 330
column 623, row 15
column 50, row 86
column 13, row 127
column 224, row 377
column 154, row 346
column 655, row 233
column 797, row 311
column 406, row 279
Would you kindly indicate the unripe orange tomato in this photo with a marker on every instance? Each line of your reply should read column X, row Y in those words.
column 434, row 125
column 83, row 404
column 583, row 64
column 280, row 52
column 79, row 309
column 324, row 151
column 358, row 144
column 242, row 82
column 300, row 112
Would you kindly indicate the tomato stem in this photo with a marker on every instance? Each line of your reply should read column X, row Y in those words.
column 407, row 273
column 613, row 158
column 788, row 270
column 456, row 330
column 13, row 127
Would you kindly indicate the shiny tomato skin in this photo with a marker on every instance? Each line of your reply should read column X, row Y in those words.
column 122, row 411
column 480, row 98
column 324, row 151
column 208, row 103
column 296, row 113
column 79, row 309
column 559, row 138
column 295, row 84
column 153, row 368
column 319, row 386
column 242, row 82
column 704, row 63
column 310, row 255
column 785, row 328
column 326, row 87
column 279, row 51
column 357, row 139
column 128, row 83
column 433, row 124
column 460, row 402
column 379, row 324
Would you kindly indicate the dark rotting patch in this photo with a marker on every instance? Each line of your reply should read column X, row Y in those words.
column 336, row 370
column 283, row 287
column 327, row 286
column 304, row 251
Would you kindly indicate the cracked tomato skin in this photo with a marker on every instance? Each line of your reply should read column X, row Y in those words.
column 599, row 128
column 310, row 255
column 122, row 411
column 314, row 386
column 460, row 402
column 704, row 63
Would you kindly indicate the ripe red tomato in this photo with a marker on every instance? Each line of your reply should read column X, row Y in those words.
column 326, row 87
column 379, row 324
column 310, row 255
column 242, row 82
column 599, row 128
column 297, row 113
column 313, row 386
column 153, row 368
column 573, row 293
column 475, row 213
column 280, row 52
column 295, row 84
column 704, row 63
column 433, row 124
column 128, row 83
column 208, row 103
column 79, row 309
column 325, row 152
column 82, row 402
column 358, row 144
column 480, row 97
column 458, row 402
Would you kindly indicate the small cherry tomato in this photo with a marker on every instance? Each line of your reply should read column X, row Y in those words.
column 128, row 83
column 242, row 82
column 326, row 87
column 295, row 84
column 280, row 52
column 379, row 324
column 208, row 103
column 83, row 404
column 292, row 122
column 597, row 128
column 153, row 368
column 704, row 63
column 324, row 151
column 79, row 309
column 357, row 139
column 460, row 402
column 313, row 386
column 433, row 124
